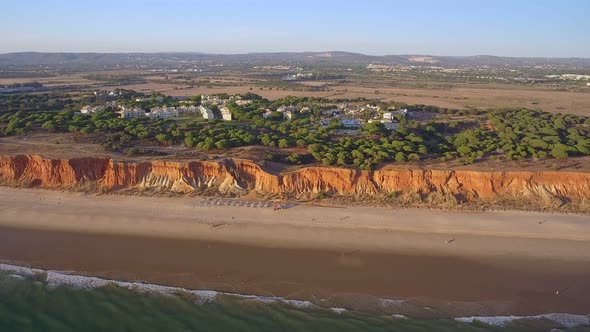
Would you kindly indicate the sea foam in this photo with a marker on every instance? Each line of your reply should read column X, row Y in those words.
column 61, row 278
column 563, row 319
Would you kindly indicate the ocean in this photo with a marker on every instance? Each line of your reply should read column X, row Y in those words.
column 38, row 300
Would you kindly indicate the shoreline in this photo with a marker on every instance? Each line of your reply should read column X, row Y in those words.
column 514, row 262
column 388, row 307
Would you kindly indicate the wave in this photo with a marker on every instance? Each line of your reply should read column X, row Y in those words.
column 70, row 279
column 563, row 319
column 62, row 278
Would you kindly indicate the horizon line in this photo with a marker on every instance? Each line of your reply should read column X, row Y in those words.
column 292, row 52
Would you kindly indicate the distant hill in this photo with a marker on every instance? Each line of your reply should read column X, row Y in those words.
column 335, row 58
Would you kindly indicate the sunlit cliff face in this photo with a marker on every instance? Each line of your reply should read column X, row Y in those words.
column 241, row 176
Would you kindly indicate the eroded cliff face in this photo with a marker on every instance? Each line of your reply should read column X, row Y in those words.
column 43, row 172
column 240, row 176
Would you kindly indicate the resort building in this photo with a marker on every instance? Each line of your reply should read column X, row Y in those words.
column 132, row 113
column 163, row 113
column 288, row 115
column 206, row 113
column 225, row 113
column 92, row 109
column 266, row 113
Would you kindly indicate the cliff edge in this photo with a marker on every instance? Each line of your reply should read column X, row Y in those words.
column 241, row 176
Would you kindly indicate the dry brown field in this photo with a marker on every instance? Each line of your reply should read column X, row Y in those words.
column 51, row 80
column 458, row 97
column 452, row 95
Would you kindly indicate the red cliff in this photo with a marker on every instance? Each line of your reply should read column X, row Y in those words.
column 240, row 176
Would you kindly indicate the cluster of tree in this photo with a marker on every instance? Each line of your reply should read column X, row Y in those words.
column 524, row 133
column 312, row 101
column 219, row 136
column 36, row 102
column 22, row 85
column 148, row 102
column 514, row 135
column 366, row 153
column 251, row 112
column 107, row 122
column 451, row 111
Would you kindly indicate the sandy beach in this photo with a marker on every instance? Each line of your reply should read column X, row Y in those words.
column 513, row 262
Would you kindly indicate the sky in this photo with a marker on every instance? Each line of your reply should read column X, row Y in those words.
column 534, row 28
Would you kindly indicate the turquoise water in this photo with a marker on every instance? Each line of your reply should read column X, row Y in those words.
column 30, row 305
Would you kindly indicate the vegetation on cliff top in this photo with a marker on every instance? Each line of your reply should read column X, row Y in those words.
column 443, row 134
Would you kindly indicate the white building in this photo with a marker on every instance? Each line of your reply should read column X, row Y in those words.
column 387, row 123
column 266, row 113
column 225, row 113
column 206, row 113
column 243, row 102
column 86, row 110
column 288, row 115
column 132, row 113
column 403, row 112
column 388, row 116
column 291, row 109
column 211, row 100
column 92, row 109
column 371, row 108
column 163, row 113
column 288, row 111
column 187, row 109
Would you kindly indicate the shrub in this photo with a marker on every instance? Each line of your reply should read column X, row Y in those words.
column 400, row 157
column 283, row 143
column 413, row 157
column 162, row 138
column 321, row 195
column 559, row 151
column 294, row 158
column 271, row 157
column 132, row 151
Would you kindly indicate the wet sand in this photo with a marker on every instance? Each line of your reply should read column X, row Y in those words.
column 495, row 263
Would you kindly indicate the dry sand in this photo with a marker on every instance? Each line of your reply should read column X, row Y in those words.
column 297, row 226
column 513, row 262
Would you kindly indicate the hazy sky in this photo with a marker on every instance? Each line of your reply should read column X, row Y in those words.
column 559, row 28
